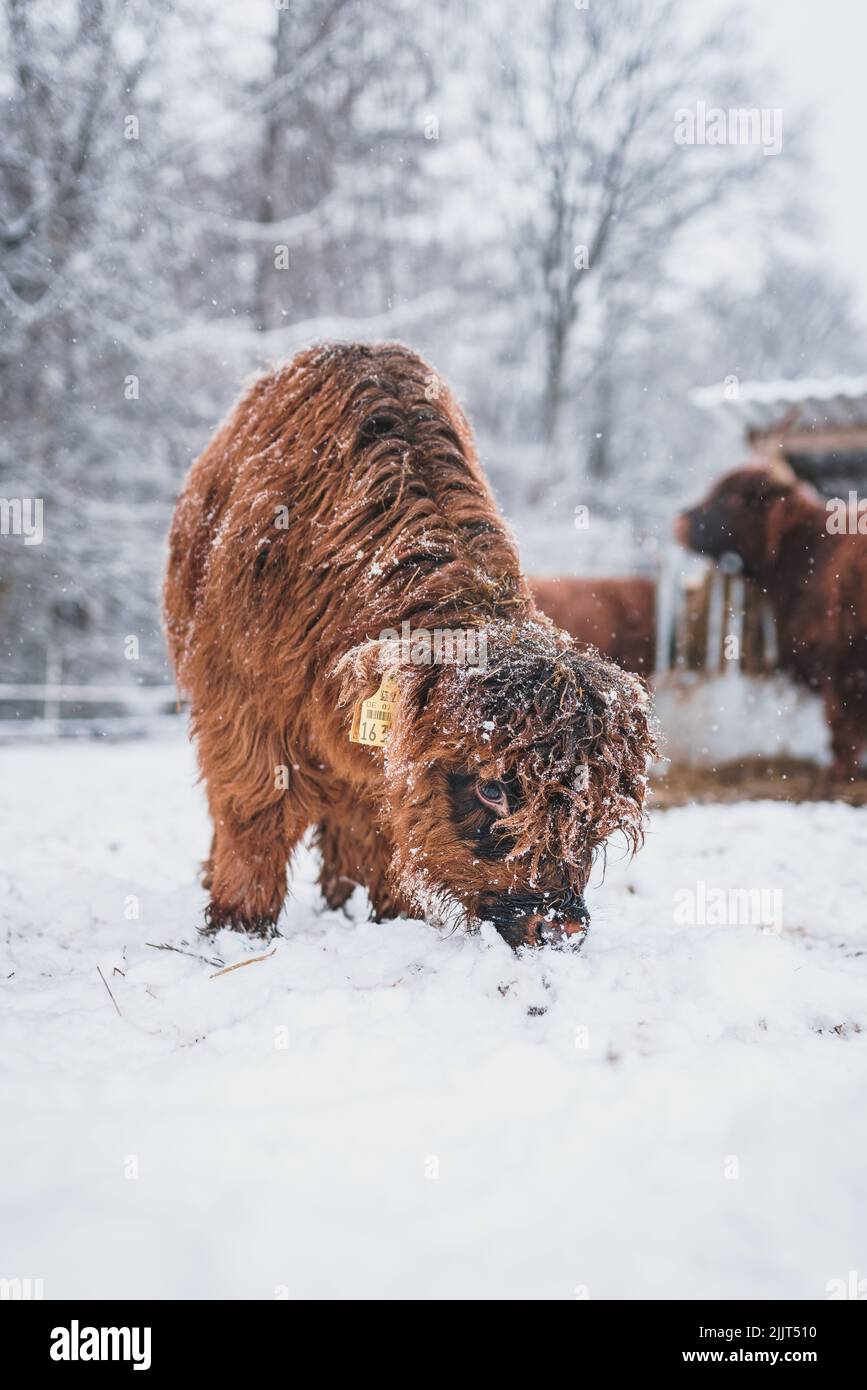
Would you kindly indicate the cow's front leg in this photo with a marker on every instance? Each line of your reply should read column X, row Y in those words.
column 847, row 741
column 248, row 872
column 356, row 851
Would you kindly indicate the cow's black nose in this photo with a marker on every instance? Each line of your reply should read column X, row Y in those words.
column 541, row 931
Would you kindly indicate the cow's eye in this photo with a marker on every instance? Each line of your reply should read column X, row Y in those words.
column 492, row 794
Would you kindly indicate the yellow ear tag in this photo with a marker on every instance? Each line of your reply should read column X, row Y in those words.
column 371, row 718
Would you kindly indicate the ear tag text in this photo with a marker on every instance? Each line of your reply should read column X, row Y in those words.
column 371, row 718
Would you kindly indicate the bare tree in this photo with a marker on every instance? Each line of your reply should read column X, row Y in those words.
column 497, row 183
column 578, row 115
column 793, row 318
column 146, row 182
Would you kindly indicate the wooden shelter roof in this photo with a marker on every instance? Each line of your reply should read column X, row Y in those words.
column 806, row 405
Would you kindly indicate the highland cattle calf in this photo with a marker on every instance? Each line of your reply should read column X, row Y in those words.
column 618, row 616
column 816, row 582
column 336, row 523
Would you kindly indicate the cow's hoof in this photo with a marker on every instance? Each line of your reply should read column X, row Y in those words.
column 217, row 918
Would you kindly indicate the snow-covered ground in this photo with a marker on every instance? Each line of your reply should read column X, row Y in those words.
column 385, row 1111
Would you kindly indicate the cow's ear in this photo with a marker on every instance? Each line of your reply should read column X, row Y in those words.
column 372, row 687
column 361, row 670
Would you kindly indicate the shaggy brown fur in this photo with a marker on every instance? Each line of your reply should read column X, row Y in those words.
column 342, row 498
column 816, row 582
column 616, row 615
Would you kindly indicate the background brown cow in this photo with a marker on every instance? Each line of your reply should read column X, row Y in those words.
column 816, row 583
column 616, row 615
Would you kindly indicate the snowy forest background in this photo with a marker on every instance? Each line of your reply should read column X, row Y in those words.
column 188, row 193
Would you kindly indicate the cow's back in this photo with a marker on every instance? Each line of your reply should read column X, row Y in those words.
column 341, row 496
column 617, row 615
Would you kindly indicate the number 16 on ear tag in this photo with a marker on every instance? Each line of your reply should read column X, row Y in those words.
column 371, row 718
